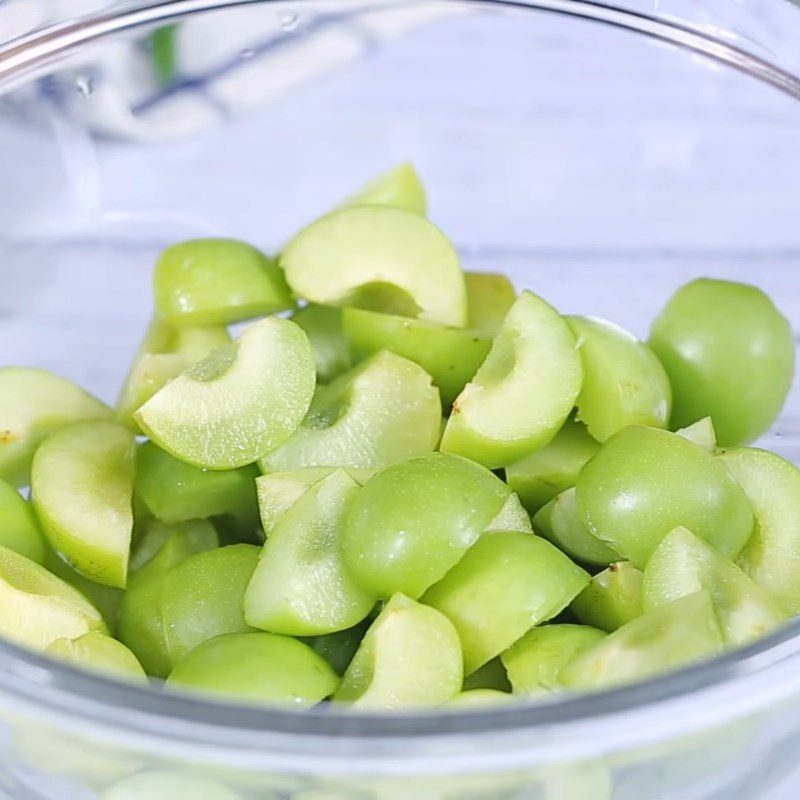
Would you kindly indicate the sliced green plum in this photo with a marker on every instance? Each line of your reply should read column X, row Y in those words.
column 492, row 675
column 379, row 258
column 217, row 282
column 163, row 785
column 729, row 354
column 410, row 658
column 19, row 528
column 400, row 187
column 702, row 433
column 523, row 392
column 323, row 326
column 165, row 352
column 148, row 374
column 339, row 648
column 33, row 404
column 97, row 652
column 503, row 586
column 279, row 491
column 411, row 523
column 561, row 522
column 612, row 599
column 165, row 544
column 82, row 488
column 546, row 473
column 384, row 410
column 175, row 491
column 37, row 608
column 683, row 564
column 623, row 384
column 203, row 597
column 106, row 599
column 300, row 586
column 665, row 638
column 140, row 624
column 511, row 517
column 261, row 668
column 772, row 555
column 451, row 356
column 477, row 698
column 644, row 482
column 489, row 298
column 535, row 661
column 239, row 403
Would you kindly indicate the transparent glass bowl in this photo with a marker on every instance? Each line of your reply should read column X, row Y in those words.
column 600, row 155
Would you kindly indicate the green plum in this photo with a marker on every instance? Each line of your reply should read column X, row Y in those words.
column 203, row 597
column 411, row 523
column 511, row 517
column 239, row 403
column 612, row 598
column 400, row 187
column 546, row 473
column 665, row 638
column 339, row 648
column 534, row 662
column 106, row 599
column 279, row 491
column 97, row 652
column 489, row 299
column 492, row 675
column 19, row 528
column 561, row 522
column 140, row 624
column 165, row 352
column 523, row 392
column 702, row 433
column 384, row 410
column 165, row 544
column 409, row 658
column 683, row 564
column 175, row 491
column 140, row 627
column 82, row 488
column 502, row 587
column 772, row 555
column 33, row 404
column 37, row 608
column 644, row 482
column 623, row 384
column 261, row 668
column 729, row 354
column 300, row 586
column 163, row 785
column 217, row 282
column 477, row 698
column 323, row 326
column 451, row 356
column 379, row 258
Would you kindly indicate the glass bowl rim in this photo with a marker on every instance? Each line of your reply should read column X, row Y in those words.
column 764, row 672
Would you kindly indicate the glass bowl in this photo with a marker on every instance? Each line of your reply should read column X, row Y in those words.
column 600, row 155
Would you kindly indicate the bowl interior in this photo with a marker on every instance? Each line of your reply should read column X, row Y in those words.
column 596, row 166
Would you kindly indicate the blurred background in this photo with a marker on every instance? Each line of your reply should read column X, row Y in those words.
column 607, row 165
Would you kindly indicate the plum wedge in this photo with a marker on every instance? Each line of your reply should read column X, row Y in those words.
column 82, row 489
column 241, row 402
column 33, row 404
column 523, row 392
column 379, row 258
